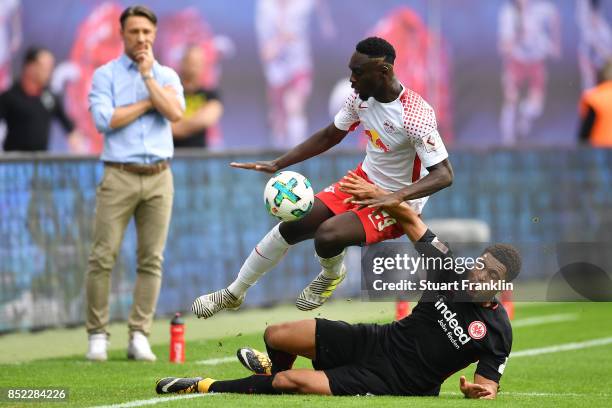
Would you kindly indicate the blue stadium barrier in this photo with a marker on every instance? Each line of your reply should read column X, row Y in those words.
column 47, row 205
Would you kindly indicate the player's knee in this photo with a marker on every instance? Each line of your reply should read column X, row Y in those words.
column 290, row 232
column 327, row 238
column 285, row 381
column 273, row 335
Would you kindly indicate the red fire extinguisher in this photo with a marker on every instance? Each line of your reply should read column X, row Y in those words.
column 177, row 339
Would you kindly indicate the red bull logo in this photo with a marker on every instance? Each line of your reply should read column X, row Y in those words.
column 376, row 140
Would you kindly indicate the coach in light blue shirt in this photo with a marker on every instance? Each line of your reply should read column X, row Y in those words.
column 120, row 85
column 133, row 99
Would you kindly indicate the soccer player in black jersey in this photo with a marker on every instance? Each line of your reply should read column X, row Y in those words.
column 413, row 356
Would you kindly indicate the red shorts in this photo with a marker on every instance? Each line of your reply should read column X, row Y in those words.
column 532, row 74
column 378, row 225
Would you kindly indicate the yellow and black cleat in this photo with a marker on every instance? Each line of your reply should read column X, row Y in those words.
column 319, row 291
column 177, row 385
column 254, row 361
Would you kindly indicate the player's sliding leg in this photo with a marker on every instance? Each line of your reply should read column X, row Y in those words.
column 301, row 381
column 284, row 342
column 267, row 253
column 331, row 239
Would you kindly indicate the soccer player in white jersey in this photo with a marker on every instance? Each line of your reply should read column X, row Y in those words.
column 529, row 34
column 405, row 155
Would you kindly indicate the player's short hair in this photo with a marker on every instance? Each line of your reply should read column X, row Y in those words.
column 141, row 11
column 32, row 53
column 376, row 47
column 509, row 257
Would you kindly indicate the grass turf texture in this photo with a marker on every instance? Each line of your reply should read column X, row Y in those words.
column 569, row 378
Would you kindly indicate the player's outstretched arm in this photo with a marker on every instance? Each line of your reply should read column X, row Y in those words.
column 481, row 388
column 318, row 143
column 361, row 190
column 440, row 176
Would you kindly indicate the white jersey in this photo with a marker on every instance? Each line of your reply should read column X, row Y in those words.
column 404, row 139
column 283, row 27
column 529, row 32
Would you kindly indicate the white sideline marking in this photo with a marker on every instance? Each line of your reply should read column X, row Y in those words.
column 217, row 361
column 535, row 321
column 562, row 347
column 153, row 401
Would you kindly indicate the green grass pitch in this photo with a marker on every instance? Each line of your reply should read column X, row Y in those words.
column 578, row 377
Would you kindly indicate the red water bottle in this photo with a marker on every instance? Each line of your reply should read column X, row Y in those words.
column 177, row 339
column 402, row 309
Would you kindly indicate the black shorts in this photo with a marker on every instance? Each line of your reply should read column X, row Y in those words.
column 354, row 360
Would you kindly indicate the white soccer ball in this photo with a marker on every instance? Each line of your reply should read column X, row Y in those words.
column 288, row 196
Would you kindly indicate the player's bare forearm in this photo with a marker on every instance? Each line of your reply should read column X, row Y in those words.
column 360, row 189
column 321, row 141
column 124, row 115
column 316, row 144
column 440, row 176
column 409, row 220
column 164, row 100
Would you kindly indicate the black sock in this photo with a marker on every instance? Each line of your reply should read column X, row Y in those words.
column 281, row 360
column 255, row 384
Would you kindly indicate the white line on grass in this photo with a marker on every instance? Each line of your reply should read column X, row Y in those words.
column 217, row 361
column 562, row 347
column 538, row 320
column 153, row 401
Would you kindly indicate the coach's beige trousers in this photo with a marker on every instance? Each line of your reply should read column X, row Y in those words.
column 120, row 196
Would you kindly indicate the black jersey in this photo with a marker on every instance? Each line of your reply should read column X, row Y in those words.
column 444, row 335
column 28, row 118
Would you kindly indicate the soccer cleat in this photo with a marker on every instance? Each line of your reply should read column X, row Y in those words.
column 207, row 305
column 255, row 361
column 177, row 385
column 318, row 291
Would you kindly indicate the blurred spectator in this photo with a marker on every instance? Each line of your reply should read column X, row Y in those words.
column 595, row 44
column 28, row 106
column 596, row 112
column 529, row 33
column 185, row 28
column 203, row 108
column 283, row 34
column 10, row 38
column 422, row 61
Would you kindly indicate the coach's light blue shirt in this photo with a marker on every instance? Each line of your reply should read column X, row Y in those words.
column 145, row 140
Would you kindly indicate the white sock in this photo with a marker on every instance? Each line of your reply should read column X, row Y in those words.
column 332, row 267
column 267, row 253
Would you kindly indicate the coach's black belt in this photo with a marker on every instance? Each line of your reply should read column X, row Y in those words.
column 140, row 168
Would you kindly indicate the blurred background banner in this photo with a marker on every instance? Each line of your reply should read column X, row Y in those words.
column 47, row 206
column 494, row 74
